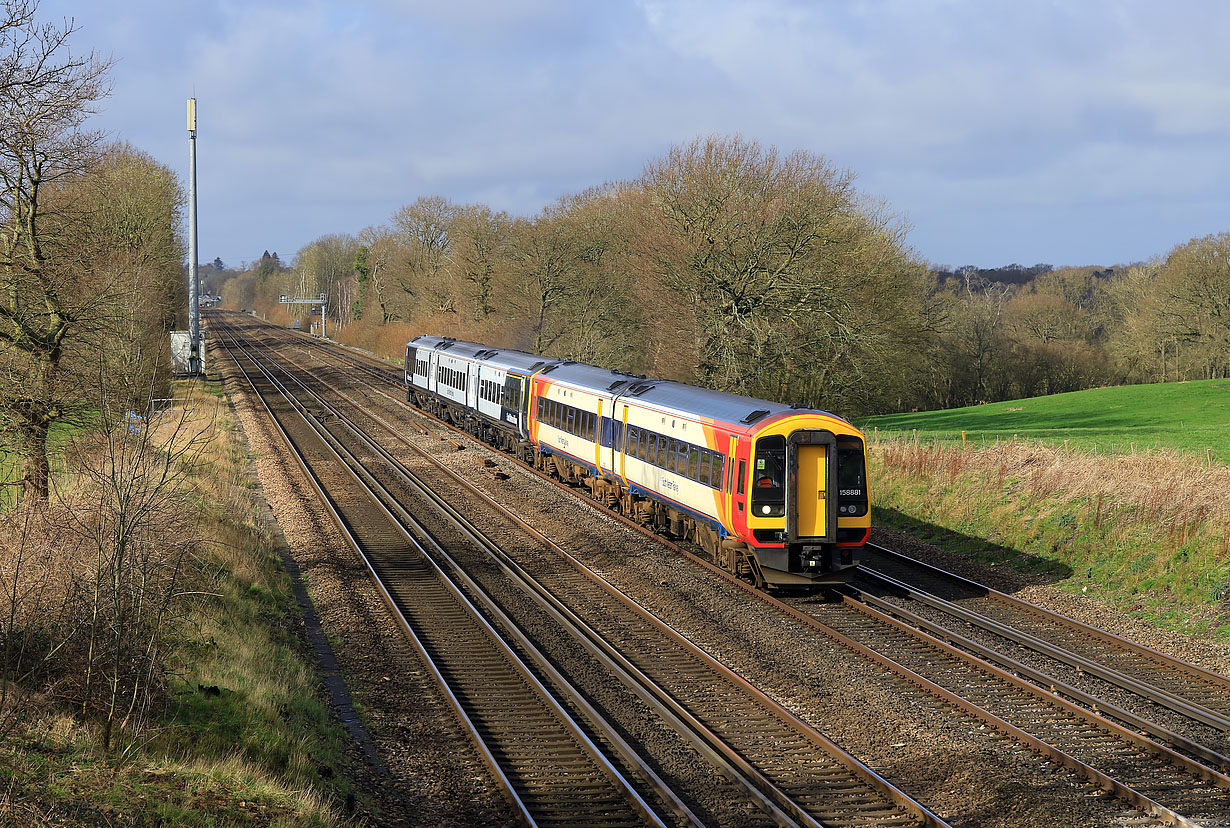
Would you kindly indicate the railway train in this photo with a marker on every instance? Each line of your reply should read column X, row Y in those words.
column 775, row 494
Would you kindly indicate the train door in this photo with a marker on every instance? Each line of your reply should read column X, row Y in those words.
column 619, row 440
column 811, row 502
column 738, row 484
column 510, row 403
column 411, row 356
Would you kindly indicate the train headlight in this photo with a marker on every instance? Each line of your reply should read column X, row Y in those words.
column 764, row 510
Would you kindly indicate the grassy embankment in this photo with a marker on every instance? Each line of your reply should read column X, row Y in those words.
column 1146, row 527
column 243, row 738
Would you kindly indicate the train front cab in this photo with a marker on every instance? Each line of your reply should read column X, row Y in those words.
column 807, row 506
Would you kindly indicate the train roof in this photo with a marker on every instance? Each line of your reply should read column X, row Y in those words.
column 718, row 405
column 591, row 377
column 672, row 396
column 665, row 394
column 506, row 358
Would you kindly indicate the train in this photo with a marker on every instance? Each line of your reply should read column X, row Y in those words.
column 775, row 494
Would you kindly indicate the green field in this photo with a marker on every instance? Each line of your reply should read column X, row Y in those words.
column 1188, row 417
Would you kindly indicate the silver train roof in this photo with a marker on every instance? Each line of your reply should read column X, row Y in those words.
column 671, row 396
column 507, row 358
column 662, row 394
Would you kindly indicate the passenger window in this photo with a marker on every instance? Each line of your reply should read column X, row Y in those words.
column 694, row 463
column 702, row 473
column 742, row 476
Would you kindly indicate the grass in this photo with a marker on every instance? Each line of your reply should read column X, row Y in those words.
column 245, row 739
column 1190, row 418
column 1147, row 533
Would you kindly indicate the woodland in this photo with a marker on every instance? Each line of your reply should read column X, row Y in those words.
column 749, row 269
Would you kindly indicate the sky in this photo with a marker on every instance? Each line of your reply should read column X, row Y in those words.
column 1066, row 132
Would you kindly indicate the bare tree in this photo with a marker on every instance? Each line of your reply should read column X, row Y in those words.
column 326, row 266
column 46, row 95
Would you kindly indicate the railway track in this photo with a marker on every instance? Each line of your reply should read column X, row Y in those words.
column 1191, row 691
column 1159, row 781
column 547, row 766
column 795, row 775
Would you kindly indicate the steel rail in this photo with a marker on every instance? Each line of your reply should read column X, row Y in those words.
column 710, row 743
column 502, row 780
column 1092, row 774
column 1163, row 697
column 1040, row 679
column 1147, row 654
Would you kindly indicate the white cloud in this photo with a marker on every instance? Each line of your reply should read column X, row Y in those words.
column 325, row 116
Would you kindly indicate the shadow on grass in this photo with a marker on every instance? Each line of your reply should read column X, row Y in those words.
column 1030, row 568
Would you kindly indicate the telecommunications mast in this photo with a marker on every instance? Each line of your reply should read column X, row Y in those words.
column 196, row 362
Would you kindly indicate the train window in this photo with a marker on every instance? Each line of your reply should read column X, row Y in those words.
column 769, row 477
column 659, row 451
column 681, row 458
column 702, row 473
column 590, row 429
column 694, row 464
column 568, row 420
column 647, row 450
column 851, row 476
column 669, row 461
column 632, row 436
column 718, row 472
column 742, row 476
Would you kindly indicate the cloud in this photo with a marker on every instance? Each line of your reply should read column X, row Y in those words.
column 321, row 117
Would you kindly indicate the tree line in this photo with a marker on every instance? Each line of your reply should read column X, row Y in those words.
column 739, row 267
column 94, row 558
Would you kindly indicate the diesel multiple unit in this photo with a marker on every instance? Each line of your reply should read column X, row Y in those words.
column 774, row 493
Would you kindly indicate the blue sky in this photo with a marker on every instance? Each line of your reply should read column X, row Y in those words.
column 1090, row 132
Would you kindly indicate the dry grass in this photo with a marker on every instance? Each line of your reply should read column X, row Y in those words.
column 241, row 737
column 1151, row 530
